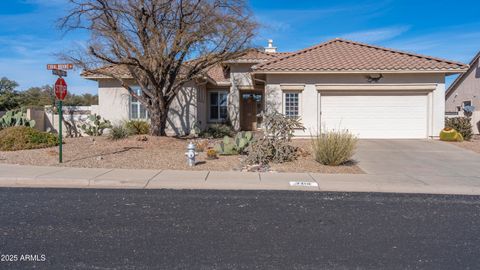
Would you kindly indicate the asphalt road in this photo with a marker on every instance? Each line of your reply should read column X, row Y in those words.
column 165, row 229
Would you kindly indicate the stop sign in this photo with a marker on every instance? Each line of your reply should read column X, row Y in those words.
column 60, row 89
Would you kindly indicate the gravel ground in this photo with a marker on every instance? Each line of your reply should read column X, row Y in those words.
column 473, row 145
column 156, row 153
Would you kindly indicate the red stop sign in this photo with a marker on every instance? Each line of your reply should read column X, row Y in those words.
column 60, row 89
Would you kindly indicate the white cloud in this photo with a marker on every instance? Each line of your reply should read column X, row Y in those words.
column 376, row 35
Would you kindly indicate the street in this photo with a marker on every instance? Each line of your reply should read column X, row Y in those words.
column 202, row 229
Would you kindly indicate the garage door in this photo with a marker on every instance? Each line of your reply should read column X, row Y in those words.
column 376, row 115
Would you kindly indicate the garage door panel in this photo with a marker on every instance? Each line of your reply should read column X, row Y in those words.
column 376, row 116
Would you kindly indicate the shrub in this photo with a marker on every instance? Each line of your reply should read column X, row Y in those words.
column 334, row 147
column 211, row 153
column 201, row 145
column 274, row 145
column 20, row 138
column 218, row 131
column 137, row 127
column 450, row 135
column 461, row 125
column 118, row 132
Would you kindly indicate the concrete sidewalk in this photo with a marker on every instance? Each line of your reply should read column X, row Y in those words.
column 65, row 177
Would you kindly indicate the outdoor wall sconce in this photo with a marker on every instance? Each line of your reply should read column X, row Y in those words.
column 374, row 78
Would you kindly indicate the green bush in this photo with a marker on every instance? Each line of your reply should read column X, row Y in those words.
column 118, row 132
column 334, row 147
column 462, row 125
column 20, row 138
column 218, row 131
column 137, row 127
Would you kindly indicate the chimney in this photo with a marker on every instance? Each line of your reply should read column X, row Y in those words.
column 270, row 48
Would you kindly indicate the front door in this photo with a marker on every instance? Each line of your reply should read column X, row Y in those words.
column 251, row 106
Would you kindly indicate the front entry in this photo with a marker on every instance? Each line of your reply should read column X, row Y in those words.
column 251, row 104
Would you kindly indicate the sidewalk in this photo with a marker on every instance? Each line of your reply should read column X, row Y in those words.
column 66, row 177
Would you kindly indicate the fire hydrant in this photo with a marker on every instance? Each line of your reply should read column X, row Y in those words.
column 191, row 154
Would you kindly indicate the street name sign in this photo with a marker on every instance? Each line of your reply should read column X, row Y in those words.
column 59, row 66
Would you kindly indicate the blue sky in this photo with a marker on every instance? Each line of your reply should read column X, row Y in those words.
column 446, row 29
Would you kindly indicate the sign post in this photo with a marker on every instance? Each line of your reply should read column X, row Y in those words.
column 60, row 93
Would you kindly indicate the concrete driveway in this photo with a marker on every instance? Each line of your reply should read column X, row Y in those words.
column 421, row 160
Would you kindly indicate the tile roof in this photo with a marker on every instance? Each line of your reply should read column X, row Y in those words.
column 339, row 55
column 216, row 73
column 120, row 71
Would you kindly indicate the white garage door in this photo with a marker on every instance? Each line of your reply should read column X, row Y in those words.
column 376, row 115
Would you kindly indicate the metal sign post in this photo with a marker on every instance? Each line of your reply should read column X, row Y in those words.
column 60, row 133
column 60, row 93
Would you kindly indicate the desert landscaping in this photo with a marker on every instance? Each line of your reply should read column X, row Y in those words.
column 154, row 153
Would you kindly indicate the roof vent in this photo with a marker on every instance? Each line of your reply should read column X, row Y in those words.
column 270, row 48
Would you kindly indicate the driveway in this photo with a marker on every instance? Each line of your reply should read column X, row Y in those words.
column 423, row 160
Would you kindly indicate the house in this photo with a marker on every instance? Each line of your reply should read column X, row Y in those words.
column 465, row 91
column 373, row 92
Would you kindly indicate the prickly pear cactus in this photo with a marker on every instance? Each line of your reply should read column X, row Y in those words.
column 234, row 146
column 95, row 125
column 226, row 148
column 16, row 118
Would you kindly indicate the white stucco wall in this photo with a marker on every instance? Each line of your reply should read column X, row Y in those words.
column 113, row 101
column 114, row 105
column 310, row 97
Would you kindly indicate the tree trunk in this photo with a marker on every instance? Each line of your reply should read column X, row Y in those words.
column 158, row 119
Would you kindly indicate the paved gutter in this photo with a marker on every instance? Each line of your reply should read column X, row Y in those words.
column 54, row 177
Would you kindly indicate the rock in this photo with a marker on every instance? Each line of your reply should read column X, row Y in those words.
column 99, row 158
column 302, row 152
column 142, row 138
column 256, row 168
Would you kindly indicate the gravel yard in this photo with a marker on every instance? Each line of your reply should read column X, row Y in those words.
column 473, row 145
column 155, row 153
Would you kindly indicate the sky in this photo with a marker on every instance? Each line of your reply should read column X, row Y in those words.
column 29, row 38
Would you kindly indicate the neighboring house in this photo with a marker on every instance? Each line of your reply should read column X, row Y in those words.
column 373, row 92
column 465, row 91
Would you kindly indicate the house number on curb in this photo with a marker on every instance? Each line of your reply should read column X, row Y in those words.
column 303, row 184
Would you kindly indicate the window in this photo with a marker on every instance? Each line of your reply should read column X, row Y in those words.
column 137, row 110
column 467, row 103
column 217, row 105
column 292, row 105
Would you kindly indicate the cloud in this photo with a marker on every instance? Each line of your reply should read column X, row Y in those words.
column 455, row 44
column 376, row 35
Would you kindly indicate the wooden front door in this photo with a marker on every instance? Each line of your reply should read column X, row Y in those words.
column 249, row 110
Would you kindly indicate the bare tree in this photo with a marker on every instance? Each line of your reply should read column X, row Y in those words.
column 162, row 44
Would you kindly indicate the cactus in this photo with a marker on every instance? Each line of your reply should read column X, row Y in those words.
column 16, row 118
column 95, row 125
column 450, row 135
column 234, row 146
